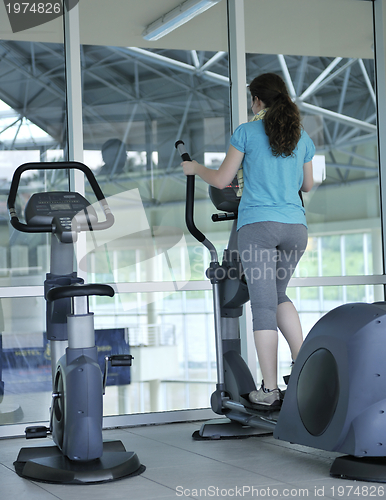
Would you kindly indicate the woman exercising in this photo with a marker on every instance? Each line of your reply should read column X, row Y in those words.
column 274, row 155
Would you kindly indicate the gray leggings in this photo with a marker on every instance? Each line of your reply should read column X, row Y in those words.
column 269, row 253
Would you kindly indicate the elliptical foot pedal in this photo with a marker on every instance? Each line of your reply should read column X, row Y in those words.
column 222, row 429
column 244, row 400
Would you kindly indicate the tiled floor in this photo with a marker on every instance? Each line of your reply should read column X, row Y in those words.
column 179, row 467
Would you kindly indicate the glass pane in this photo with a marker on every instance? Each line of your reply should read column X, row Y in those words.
column 173, row 347
column 32, row 129
column 333, row 84
column 25, row 367
column 138, row 105
column 172, row 344
column 345, row 254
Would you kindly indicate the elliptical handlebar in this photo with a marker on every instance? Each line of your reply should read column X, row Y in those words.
column 190, row 187
column 189, row 206
column 47, row 228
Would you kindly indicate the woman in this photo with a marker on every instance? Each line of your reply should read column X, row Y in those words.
column 276, row 156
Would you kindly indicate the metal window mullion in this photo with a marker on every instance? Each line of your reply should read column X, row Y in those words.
column 239, row 114
column 9, row 292
column 379, row 18
column 237, row 63
column 74, row 109
column 73, row 84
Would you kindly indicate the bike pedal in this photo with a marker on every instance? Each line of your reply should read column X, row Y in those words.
column 121, row 359
column 36, row 432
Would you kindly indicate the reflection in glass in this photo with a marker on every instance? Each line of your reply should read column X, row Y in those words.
column 32, row 129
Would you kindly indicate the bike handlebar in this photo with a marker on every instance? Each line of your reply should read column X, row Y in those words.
column 47, row 228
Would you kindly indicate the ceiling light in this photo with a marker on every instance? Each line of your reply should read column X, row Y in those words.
column 176, row 17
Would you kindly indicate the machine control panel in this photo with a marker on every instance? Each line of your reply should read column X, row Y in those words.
column 42, row 208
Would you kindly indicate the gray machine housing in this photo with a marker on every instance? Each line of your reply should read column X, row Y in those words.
column 336, row 397
column 78, row 374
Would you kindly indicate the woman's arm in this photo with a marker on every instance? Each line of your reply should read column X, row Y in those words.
column 308, row 179
column 218, row 178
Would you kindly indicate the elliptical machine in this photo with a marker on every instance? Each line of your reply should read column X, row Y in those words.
column 80, row 455
column 336, row 394
column 230, row 293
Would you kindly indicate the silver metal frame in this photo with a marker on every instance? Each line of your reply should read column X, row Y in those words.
column 193, row 286
column 133, row 420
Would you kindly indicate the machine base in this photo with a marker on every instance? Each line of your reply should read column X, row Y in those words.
column 360, row 468
column 49, row 465
column 227, row 429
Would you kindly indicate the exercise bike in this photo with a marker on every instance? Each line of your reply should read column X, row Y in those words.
column 80, row 456
column 336, row 394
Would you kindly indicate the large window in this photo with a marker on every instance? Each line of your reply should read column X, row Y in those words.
column 138, row 98
column 334, row 88
column 137, row 103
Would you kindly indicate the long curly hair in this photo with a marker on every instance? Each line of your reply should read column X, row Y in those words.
column 282, row 119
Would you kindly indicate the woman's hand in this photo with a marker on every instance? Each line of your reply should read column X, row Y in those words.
column 218, row 178
column 189, row 167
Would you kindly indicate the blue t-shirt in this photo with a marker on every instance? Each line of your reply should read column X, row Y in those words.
column 271, row 183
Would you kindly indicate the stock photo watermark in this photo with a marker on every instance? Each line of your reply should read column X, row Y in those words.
column 144, row 253
column 339, row 491
column 134, row 248
column 259, row 264
column 24, row 15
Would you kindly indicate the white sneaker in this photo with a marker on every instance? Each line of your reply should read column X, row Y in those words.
column 265, row 397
